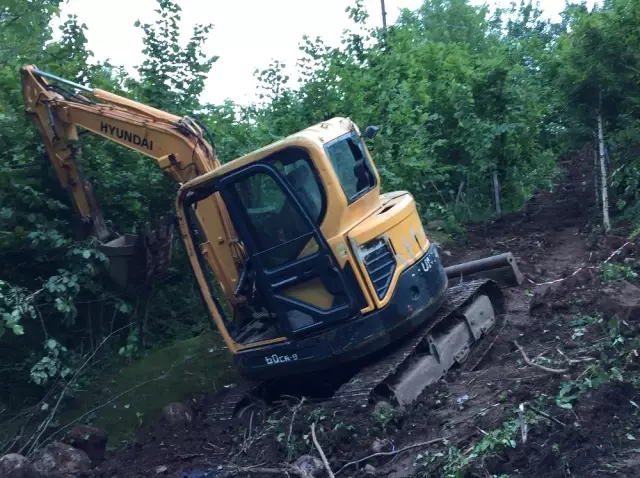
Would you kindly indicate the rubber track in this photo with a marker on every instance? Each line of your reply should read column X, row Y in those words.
column 226, row 408
column 356, row 392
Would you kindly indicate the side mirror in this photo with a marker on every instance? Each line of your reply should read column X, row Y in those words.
column 370, row 132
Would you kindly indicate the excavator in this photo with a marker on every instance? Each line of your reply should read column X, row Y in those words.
column 303, row 263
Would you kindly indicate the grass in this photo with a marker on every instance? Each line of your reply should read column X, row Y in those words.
column 130, row 398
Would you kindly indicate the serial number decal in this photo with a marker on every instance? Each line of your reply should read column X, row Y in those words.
column 427, row 262
column 275, row 359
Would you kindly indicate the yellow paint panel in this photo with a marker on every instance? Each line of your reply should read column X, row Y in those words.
column 312, row 292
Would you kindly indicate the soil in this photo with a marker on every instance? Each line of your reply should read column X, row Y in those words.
column 552, row 239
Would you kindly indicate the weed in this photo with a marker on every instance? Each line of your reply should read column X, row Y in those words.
column 453, row 463
column 384, row 414
column 613, row 272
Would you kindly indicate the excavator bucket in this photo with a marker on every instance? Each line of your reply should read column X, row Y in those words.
column 137, row 259
column 501, row 268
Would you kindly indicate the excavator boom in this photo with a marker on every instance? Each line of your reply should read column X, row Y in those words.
column 179, row 146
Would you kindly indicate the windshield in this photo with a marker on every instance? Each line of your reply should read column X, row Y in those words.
column 350, row 163
column 280, row 231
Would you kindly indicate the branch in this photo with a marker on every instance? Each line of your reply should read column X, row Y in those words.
column 546, row 415
column 324, row 458
column 294, row 470
column 293, row 417
column 45, row 424
column 390, row 453
column 113, row 399
column 533, row 364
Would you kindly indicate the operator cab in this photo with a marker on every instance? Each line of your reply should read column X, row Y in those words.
column 283, row 205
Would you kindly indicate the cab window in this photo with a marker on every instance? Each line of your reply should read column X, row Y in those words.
column 280, row 231
column 349, row 161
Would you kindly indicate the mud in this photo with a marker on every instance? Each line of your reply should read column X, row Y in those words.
column 551, row 239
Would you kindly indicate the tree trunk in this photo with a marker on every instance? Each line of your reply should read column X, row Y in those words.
column 496, row 192
column 603, row 177
column 596, row 178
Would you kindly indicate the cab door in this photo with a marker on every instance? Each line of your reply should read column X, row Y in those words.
column 296, row 272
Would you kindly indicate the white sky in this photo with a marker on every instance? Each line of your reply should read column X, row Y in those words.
column 247, row 34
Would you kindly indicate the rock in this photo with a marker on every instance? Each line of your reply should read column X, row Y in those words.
column 436, row 225
column 91, row 440
column 370, row 469
column 537, row 270
column 621, row 300
column 60, row 460
column 177, row 413
column 311, row 465
column 379, row 446
column 161, row 470
column 16, row 466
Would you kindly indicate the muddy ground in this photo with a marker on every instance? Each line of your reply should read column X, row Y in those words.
column 581, row 416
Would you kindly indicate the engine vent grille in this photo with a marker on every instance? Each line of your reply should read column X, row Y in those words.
column 380, row 264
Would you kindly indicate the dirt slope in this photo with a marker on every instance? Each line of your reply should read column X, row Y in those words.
column 585, row 420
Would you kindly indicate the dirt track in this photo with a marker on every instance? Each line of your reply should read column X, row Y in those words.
column 551, row 240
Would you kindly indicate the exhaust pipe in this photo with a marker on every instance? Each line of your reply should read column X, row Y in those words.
column 501, row 268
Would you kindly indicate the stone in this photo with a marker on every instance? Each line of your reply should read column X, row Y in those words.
column 381, row 445
column 61, row 460
column 161, row 470
column 17, row 466
column 620, row 300
column 91, row 440
column 177, row 414
column 370, row 469
column 436, row 225
column 311, row 465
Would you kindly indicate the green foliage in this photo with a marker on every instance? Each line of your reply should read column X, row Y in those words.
column 611, row 272
column 455, row 99
column 458, row 94
column 56, row 302
column 454, row 463
column 172, row 75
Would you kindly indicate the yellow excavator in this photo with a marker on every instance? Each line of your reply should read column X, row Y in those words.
column 302, row 263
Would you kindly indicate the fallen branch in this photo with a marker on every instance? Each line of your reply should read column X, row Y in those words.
column 486, row 409
column 293, row 417
column 533, row 364
column 319, row 448
column 574, row 361
column 618, row 251
column 44, row 425
column 293, row 470
column 523, row 423
column 546, row 415
column 390, row 453
column 113, row 399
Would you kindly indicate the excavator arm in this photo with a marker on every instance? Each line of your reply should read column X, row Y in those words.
column 178, row 145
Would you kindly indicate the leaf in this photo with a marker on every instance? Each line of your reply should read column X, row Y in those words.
column 86, row 253
column 17, row 329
